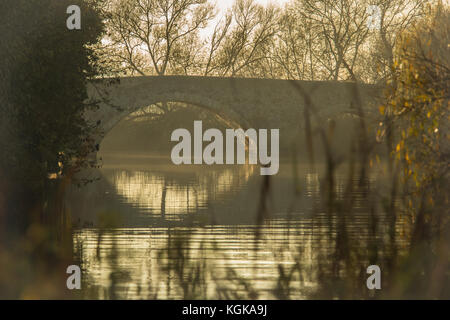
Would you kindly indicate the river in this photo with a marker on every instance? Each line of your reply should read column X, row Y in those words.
column 148, row 229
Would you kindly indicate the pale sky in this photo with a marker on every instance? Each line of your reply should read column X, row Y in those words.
column 224, row 4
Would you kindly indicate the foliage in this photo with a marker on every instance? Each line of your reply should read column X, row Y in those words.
column 417, row 117
column 419, row 100
column 44, row 68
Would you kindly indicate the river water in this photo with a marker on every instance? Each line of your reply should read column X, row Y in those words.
column 148, row 229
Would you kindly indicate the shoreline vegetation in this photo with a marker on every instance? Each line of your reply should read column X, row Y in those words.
column 44, row 69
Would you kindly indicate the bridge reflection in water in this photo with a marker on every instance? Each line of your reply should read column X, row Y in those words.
column 191, row 233
column 160, row 195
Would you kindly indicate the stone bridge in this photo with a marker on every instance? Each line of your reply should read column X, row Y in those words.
column 247, row 103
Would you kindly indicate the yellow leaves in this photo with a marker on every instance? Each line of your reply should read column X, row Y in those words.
column 400, row 146
column 382, row 110
column 412, row 131
column 423, row 98
column 430, row 200
column 408, row 172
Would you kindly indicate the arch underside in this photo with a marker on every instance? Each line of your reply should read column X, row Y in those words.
column 223, row 114
column 226, row 115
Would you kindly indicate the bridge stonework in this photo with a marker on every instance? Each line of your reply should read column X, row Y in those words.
column 249, row 103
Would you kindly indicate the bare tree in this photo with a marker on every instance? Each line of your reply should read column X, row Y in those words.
column 253, row 28
column 331, row 39
column 395, row 17
column 296, row 47
column 215, row 42
column 341, row 28
column 152, row 36
column 155, row 37
column 307, row 39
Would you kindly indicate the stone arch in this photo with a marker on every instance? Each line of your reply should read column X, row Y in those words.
column 248, row 103
column 228, row 116
column 117, row 104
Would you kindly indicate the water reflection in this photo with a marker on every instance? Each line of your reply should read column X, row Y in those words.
column 133, row 263
column 163, row 194
column 191, row 232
